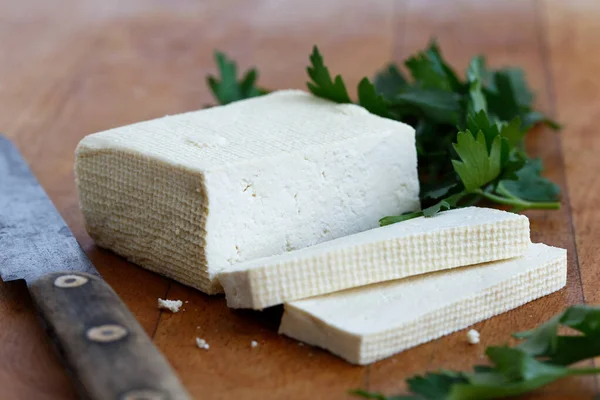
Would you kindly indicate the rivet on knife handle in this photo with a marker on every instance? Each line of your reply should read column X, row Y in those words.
column 103, row 345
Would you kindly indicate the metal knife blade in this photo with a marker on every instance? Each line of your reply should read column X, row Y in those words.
column 34, row 238
column 108, row 353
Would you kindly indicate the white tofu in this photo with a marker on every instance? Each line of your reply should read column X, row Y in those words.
column 171, row 305
column 363, row 325
column 450, row 239
column 473, row 336
column 193, row 194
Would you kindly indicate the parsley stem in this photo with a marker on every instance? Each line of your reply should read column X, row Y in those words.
column 583, row 371
column 502, row 190
column 518, row 202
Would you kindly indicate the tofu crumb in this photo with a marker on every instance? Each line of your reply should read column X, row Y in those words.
column 201, row 344
column 473, row 336
column 171, row 305
column 253, row 343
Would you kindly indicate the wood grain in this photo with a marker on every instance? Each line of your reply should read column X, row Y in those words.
column 73, row 67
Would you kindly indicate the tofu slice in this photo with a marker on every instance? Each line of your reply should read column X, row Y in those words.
column 366, row 324
column 450, row 239
column 192, row 194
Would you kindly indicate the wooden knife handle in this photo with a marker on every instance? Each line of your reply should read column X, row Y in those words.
column 107, row 352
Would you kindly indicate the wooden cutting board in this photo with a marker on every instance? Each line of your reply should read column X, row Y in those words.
column 73, row 67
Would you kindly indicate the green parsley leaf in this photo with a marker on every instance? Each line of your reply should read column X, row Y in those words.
column 424, row 72
column 438, row 63
column 434, row 385
column 322, row 85
column 509, row 96
column 544, row 341
column 370, row 100
column 503, row 102
column 523, row 95
column 433, row 104
column 530, row 185
column 445, row 204
column 512, row 132
column 475, row 72
column 389, row 82
column 430, row 71
column 399, row 218
column 479, row 122
column 228, row 88
column 477, row 167
column 439, row 191
column 378, row 396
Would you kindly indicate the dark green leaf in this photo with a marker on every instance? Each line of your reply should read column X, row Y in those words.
column 476, row 70
column 516, row 161
column 434, row 385
column 423, row 72
column 541, row 340
column 517, row 365
column 322, row 85
column 480, row 122
column 533, row 118
column 399, row 218
column 544, row 341
column 572, row 349
column 475, row 76
column 437, row 105
column 367, row 395
column 228, row 89
column 522, row 93
column 476, row 101
column 430, row 71
column 503, row 101
column 439, row 191
column 435, row 56
column 378, row 396
column 389, row 82
column 584, row 319
column 530, row 185
column 512, row 132
column 445, row 204
column 370, row 100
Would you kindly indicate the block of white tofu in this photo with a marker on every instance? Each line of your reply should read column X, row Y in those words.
column 367, row 324
column 192, row 194
column 450, row 239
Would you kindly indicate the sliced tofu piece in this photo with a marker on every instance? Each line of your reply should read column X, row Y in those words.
column 192, row 194
column 450, row 239
column 363, row 325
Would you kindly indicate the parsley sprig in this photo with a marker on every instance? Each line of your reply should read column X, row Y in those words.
column 469, row 131
column 228, row 88
column 543, row 357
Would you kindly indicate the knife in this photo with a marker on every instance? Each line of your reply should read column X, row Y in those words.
column 106, row 351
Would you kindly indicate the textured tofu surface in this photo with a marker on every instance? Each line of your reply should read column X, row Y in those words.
column 192, row 194
column 450, row 239
column 363, row 325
